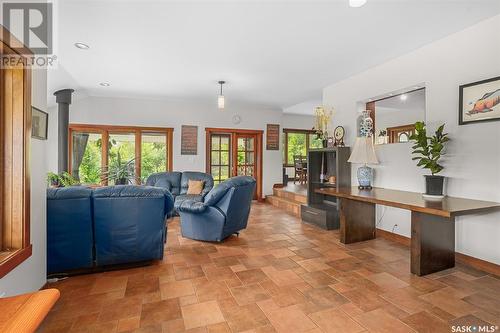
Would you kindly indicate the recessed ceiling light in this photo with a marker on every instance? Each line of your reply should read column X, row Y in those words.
column 104, row 84
column 357, row 3
column 82, row 46
column 404, row 97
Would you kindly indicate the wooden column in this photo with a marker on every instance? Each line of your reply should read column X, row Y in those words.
column 432, row 243
column 357, row 221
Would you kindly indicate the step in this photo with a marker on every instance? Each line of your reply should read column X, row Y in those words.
column 291, row 196
column 289, row 206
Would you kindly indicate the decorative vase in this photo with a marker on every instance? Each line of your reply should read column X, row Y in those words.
column 365, row 176
column 434, row 185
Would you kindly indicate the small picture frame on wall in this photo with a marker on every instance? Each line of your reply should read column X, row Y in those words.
column 39, row 124
column 479, row 101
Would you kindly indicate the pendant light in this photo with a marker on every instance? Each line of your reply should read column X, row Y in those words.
column 221, row 101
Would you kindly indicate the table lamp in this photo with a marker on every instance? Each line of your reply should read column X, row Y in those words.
column 364, row 153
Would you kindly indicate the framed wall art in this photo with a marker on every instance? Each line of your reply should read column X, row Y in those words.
column 479, row 101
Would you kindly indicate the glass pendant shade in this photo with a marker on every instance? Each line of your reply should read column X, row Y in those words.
column 221, row 102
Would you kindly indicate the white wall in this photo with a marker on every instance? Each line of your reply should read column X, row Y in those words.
column 473, row 159
column 162, row 113
column 30, row 275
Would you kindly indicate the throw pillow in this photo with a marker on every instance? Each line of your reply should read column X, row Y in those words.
column 195, row 187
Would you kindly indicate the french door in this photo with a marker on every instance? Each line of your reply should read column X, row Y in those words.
column 233, row 152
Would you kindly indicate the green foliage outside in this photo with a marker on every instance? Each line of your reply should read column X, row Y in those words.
column 90, row 168
column 153, row 158
column 429, row 149
column 297, row 145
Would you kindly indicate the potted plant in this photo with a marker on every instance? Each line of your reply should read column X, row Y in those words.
column 428, row 151
column 62, row 180
column 121, row 173
column 53, row 179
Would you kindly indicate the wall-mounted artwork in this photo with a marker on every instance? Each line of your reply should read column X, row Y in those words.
column 273, row 137
column 480, row 101
column 39, row 124
column 189, row 140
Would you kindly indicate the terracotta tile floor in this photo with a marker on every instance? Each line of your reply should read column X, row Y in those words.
column 279, row 276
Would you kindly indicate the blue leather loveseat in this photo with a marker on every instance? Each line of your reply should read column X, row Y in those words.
column 223, row 212
column 105, row 226
column 177, row 184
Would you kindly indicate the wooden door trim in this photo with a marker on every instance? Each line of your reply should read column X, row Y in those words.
column 258, row 146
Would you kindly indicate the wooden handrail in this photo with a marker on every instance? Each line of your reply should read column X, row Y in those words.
column 24, row 313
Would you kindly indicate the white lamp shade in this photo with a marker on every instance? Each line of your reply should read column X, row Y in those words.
column 221, row 102
column 363, row 151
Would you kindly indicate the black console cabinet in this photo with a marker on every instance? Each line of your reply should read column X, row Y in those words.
column 322, row 210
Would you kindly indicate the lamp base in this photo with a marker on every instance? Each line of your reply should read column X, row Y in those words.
column 365, row 176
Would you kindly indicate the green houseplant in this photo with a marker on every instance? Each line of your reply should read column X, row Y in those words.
column 428, row 151
column 62, row 180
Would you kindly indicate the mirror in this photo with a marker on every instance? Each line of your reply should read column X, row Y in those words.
column 395, row 115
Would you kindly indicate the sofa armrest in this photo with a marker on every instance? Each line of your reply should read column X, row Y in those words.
column 191, row 206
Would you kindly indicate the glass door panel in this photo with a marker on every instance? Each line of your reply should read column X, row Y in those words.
column 86, row 157
column 246, row 156
column 121, row 159
column 153, row 154
column 220, row 148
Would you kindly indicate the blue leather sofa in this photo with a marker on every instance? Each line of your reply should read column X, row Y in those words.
column 70, row 234
column 177, row 184
column 110, row 225
column 223, row 212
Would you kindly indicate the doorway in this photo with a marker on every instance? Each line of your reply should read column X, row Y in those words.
column 234, row 152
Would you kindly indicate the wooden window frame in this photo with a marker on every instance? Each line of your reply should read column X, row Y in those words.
column 15, row 167
column 287, row 131
column 138, row 131
column 233, row 132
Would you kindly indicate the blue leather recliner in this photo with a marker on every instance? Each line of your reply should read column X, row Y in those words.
column 223, row 212
column 110, row 225
column 177, row 183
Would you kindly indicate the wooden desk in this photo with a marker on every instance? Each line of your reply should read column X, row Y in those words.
column 432, row 222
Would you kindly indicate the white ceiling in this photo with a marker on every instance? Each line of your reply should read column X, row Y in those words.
column 273, row 53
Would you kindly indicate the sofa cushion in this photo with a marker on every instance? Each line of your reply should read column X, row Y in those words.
column 168, row 180
column 180, row 198
column 195, row 187
column 192, row 175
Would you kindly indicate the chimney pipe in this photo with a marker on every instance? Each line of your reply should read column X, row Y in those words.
column 63, row 99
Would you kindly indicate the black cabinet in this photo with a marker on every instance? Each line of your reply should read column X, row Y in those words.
column 322, row 210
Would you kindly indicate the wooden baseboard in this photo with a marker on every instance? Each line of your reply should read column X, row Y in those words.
column 394, row 237
column 480, row 264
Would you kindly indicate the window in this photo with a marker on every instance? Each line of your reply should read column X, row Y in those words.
column 298, row 142
column 98, row 151
column 15, row 132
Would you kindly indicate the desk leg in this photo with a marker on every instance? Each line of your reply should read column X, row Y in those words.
column 357, row 221
column 432, row 243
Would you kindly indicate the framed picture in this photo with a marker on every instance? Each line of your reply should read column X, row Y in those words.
column 39, row 123
column 479, row 101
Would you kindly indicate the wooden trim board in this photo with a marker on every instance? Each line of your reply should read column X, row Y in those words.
column 480, row 264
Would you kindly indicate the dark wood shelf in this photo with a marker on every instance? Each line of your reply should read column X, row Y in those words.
column 323, row 210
